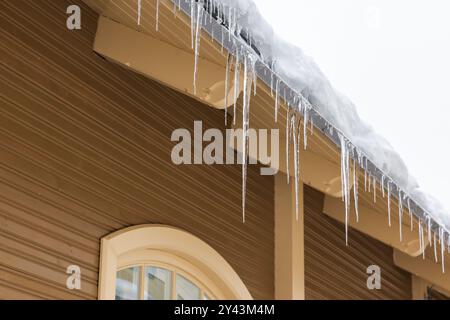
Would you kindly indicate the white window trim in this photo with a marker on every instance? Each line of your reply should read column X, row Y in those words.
column 153, row 243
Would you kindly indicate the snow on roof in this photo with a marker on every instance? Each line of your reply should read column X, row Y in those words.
column 300, row 75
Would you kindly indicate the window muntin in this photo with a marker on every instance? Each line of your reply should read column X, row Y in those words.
column 155, row 282
column 186, row 289
column 128, row 284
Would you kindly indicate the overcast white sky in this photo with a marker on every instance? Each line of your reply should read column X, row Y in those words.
column 392, row 58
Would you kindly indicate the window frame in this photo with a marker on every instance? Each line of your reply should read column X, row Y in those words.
column 155, row 243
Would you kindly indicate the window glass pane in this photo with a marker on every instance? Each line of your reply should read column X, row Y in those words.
column 127, row 284
column 158, row 284
column 186, row 290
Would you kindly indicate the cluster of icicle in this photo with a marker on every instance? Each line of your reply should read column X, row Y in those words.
column 349, row 171
column 243, row 59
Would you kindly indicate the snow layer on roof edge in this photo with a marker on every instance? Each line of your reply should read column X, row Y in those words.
column 302, row 74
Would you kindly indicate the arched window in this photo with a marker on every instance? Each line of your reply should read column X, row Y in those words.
column 156, row 262
column 151, row 282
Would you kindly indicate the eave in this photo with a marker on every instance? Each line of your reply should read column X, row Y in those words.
column 175, row 30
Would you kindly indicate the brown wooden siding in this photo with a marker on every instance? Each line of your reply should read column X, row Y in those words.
column 336, row 271
column 85, row 150
column 436, row 295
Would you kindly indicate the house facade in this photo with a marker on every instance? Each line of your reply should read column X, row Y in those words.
column 92, row 205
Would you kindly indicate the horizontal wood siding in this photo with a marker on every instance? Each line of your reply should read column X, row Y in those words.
column 85, row 150
column 336, row 271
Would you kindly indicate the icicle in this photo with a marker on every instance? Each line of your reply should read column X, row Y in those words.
column 255, row 78
column 435, row 247
column 365, row 174
column 272, row 75
column 276, row 99
column 245, row 124
column 229, row 23
column 296, row 147
column 411, row 220
column 139, row 12
column 421, row 240
column 211, row 10
column 198, row 21
column 429, row 229
column 287, row 144
column 365, row 178
column 193, row 5
column 389, row 201
column 355, row 190
column 297, row 201
column 448, row 242
column 370, row 182
column 382, row 185
column 157, row 15
column 236, row 82
column 271, row 84
column 345, row 180
column 305, row 126
column 374, row 190
column 311, row 121
column 227, row 72
column 441, row 239
column 400, row 215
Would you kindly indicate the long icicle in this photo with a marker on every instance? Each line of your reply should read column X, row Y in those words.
column 374, row 190
column 411, row 220
column 365, row 174
column 421, row 240
column 389, row 201
column 277, row 83
column 441, row 240
column 157, row 16
column 400, row 215
column 297, row 201
column 247, row 87
column 429, row 229
column 355, row 190
column 305, row 126
column 344, row 180
column 448, row 243
column 227, row 73
column 272, row 65
column 287, row 143
column 236, row 82
column 255, row 79
column 139, row 12
column 198, row 24
column 435, row 247
column 193, row 6
column 296, row 147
